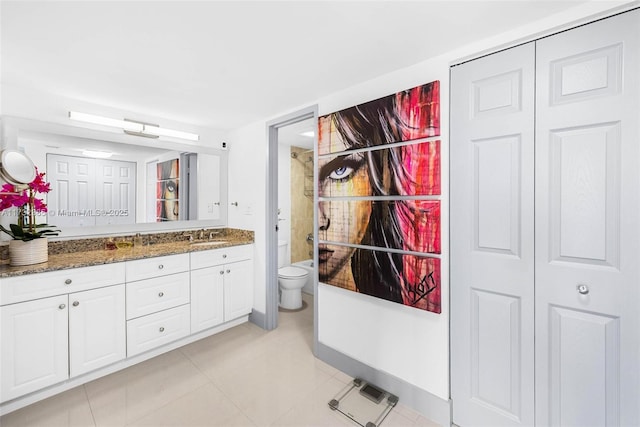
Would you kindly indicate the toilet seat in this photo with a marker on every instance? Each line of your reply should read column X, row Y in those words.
column 292, row 272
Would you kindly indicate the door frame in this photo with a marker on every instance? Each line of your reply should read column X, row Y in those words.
column 271, row 238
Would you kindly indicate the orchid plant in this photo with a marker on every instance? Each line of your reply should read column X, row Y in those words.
column 28, row 205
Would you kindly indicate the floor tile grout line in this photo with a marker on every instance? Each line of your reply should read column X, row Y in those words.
column 86, row 394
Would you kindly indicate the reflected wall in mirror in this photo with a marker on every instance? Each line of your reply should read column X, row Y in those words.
column 139, row 187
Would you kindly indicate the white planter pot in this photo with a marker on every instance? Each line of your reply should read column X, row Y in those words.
column 26, row 253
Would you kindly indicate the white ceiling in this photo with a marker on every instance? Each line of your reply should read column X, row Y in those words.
column 222, row 64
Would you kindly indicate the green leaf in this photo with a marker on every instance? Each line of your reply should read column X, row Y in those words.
column 18, row 232
column 7, row 231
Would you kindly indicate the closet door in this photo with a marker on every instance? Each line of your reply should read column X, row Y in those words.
column 492, row 280
column 587, row 225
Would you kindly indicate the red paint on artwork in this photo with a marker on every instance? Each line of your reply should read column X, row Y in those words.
column 419, row 109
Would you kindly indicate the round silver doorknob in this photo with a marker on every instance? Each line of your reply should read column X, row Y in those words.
column 583, row 289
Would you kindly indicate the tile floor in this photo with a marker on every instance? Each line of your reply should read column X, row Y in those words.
column 244, row 376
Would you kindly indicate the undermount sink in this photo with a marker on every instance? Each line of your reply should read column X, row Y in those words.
column 211, row 243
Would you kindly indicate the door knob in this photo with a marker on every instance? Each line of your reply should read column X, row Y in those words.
column 583, row 289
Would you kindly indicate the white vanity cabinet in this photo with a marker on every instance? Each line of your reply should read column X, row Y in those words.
column 60, row 329
column 58, row 325
column 221, row 286
column 158, row 310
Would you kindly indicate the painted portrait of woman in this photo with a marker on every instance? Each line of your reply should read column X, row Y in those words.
column 378, row 218
column 167, row 207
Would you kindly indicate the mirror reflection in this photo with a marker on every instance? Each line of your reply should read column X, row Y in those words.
column 97, row 182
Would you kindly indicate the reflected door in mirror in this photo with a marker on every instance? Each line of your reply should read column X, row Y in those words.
column 88, row 192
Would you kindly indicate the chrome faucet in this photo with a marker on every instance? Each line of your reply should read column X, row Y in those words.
column 189, row 236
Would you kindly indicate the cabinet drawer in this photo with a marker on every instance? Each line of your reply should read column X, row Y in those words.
column 157, row 266
column 51, row 283
column 154, row 330
column 213, row 257
column 160, row 293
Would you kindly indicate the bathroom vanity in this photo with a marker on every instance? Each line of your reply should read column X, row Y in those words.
column 86, row 314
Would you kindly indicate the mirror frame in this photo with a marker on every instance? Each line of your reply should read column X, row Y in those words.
column 14, row 128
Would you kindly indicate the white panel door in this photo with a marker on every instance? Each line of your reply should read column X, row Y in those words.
column 33, row 351
column 97, row 328
column 72, row 197
column 115, row 192
column 587, row 225
column 492, row 282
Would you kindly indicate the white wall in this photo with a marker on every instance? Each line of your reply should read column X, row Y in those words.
column 410, row 344
column 247, row 186
column 209, row 186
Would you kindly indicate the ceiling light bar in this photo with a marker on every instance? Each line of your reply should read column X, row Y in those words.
column 309, row 133
column 133, row 127
column 156, row 130
column 106, row 121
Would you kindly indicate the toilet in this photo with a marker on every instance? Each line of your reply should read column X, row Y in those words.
column 291, row 280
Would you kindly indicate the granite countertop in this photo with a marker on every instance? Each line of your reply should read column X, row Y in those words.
column 62, row 261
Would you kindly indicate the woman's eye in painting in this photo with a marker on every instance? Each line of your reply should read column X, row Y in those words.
column 341, row 169
column 342, row 173
column 171, row 186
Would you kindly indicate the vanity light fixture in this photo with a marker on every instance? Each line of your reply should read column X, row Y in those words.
column 158, row 131
column 133, row 127
column 106, row 121
column 308, row 133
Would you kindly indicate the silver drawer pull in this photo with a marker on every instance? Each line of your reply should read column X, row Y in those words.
column 161, row 294
column 161, row 328
column 61, row 306
column 67, row 282
column 583, row 289
column 221, row 271
column 224, row 255
column 160, row 267
column 76, row 303
column 228, row 271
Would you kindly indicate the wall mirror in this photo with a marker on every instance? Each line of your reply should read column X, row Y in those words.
column 145, row 185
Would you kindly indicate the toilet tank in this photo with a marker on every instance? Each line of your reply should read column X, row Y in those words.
column 282, row 253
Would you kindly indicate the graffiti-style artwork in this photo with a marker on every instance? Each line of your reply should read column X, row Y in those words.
column 378, row 206
column 417, row 222
column 416, row 171
column 405, row 116
column 167, row 195
column 406, row 279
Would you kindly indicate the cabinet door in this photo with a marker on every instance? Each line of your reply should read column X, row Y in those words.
column 492, row 234
column 34, row 346
column 96, row 328
column 207, row 298
column 238, row 289
column 587, row 228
